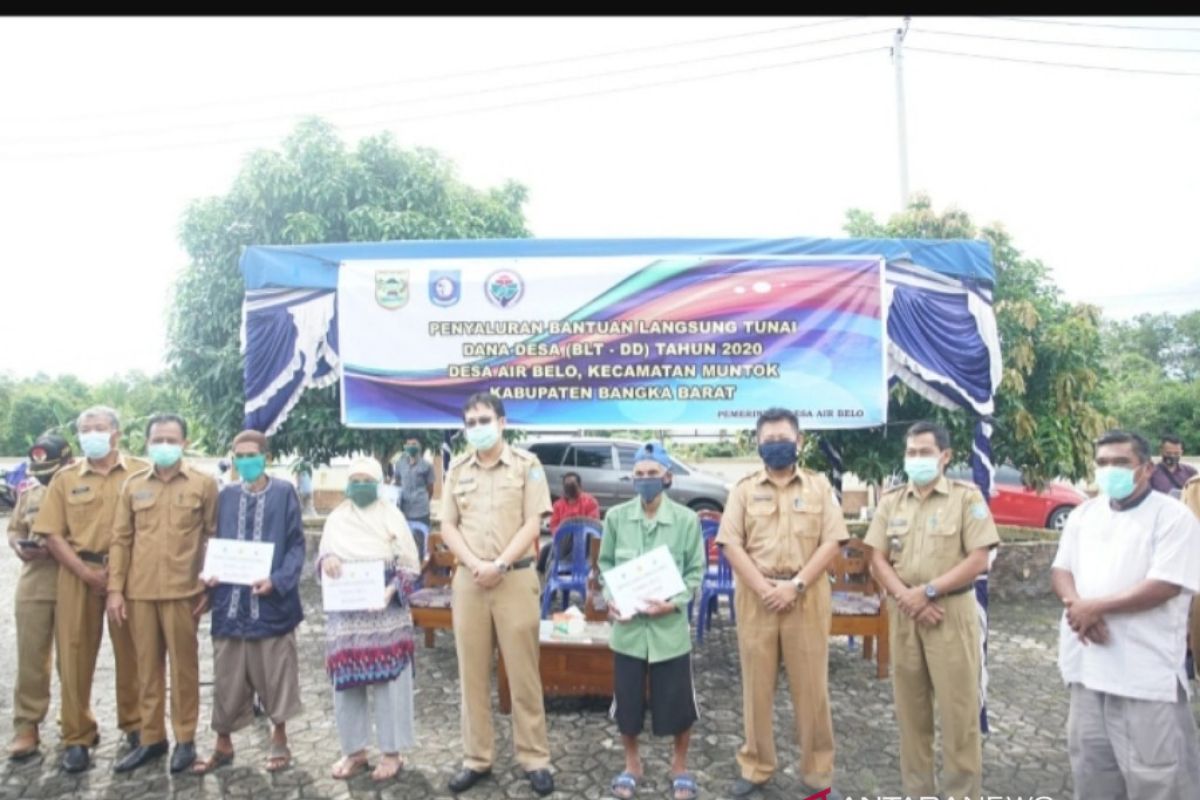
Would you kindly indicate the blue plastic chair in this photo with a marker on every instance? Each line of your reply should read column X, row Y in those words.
column 717, row 581
column 570, row 576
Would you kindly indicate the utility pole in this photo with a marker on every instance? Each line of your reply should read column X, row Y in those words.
column 901, row 125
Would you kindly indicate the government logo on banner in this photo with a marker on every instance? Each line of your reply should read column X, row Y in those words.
column 504, row 288
column 445, row 286
column 391, row 288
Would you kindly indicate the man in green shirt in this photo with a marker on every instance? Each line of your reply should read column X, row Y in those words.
column 655, row 639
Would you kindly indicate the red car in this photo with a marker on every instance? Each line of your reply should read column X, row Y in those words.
column 1016, row 504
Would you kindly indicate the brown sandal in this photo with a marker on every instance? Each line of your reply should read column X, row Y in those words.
column 218, row 759
column 279, row 757
column 379, row 777
column 349, row 766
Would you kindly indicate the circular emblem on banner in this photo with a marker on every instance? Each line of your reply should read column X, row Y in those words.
column 504, row 288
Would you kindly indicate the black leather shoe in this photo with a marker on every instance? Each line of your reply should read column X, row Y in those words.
column 140, row 756
column 744, row 788
column 541, row 780
column 466, row 778
column 76, row 759
column 183, row 757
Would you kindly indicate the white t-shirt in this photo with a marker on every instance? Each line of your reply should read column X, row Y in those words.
column 1109, row 552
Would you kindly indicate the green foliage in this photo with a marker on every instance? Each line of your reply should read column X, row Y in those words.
column 1152, row 383
column 1048, row 406
column 313, row 189
column 37, row 405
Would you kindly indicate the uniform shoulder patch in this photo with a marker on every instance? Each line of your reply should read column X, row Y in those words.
column 522, row 453
column 460, row 459
column 980, row 510
column 536, row 474
column 749, row 476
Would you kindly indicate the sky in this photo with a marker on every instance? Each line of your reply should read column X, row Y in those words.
column 619, row 127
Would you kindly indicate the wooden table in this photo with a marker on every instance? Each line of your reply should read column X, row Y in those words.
column 568, row 669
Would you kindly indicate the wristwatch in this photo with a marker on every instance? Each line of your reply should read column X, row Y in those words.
column 501, row 565
column 799, row 583
column 930, row 592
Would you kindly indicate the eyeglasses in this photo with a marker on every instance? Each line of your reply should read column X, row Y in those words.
column 471, row 423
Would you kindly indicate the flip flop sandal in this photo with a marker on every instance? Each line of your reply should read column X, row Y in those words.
column 685, row 783
column 384, row 779
column 218, row 759
column 624, row 786
column 347, row 767
column 278, row 753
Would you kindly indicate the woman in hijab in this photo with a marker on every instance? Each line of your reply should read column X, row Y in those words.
column 370, row 648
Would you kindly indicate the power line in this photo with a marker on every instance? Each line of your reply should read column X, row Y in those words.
column 439, row 97
column 1132, row 70
column 457, row 112
column 1060, row 43
column 1077, row 23
column 448, row 76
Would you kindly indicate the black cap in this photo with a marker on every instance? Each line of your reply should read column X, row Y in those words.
column 48, row 453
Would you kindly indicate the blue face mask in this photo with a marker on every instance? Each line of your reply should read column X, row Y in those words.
column 778, row 455
column 1116, row 482
column 921, row 470
column 165, row 455
column 649, row 488
column 95, row 444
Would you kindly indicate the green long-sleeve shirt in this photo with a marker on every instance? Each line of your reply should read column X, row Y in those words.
column 629, row 534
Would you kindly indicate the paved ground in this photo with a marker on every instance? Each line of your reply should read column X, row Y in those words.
column 1024, row 755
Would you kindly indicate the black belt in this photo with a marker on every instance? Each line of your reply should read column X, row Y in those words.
column 523, row 563
column 92, row 558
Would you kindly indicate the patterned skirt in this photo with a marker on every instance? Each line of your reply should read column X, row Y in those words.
column 365, row 647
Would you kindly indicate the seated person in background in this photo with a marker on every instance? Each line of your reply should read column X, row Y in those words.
column 575, row 502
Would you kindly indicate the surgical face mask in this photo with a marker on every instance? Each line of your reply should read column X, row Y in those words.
column 362, row 493
column 483, row 437
column 96, row 444
column 412, row 450
column 164, row 454
column 1170, row 462
column 571, row 490
column 250, row 468
column 921, row 469
column 778, row 455
column 649, row 488
column 1116, row 482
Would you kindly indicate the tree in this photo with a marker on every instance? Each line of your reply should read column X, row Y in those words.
column 1152, row 381
column 37, row 405
column 312, row 190
column 1047, row 406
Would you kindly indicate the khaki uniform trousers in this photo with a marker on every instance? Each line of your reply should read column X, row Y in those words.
column 164, row 628
column 78, row 626
column 35, row 642
column 939, row 662
column 508, row 614
column 801, row 637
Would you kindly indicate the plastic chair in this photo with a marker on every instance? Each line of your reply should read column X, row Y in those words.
column 570, row 576
column 718, row 577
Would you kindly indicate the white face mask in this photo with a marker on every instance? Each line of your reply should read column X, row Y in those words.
column 483, row 437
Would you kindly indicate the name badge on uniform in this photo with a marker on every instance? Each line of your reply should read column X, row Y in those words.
column 762, row 498
column 798, row 504
column 80, row 490
column 466, row 480
column 146, row 494
column 897, row 522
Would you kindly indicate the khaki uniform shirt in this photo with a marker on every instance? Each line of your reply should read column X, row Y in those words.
column 781, row 527
column 159, row 534
column 80, row 504
column 925, row 539
column 1191, row 495
column 39, row 579
column 490, row 504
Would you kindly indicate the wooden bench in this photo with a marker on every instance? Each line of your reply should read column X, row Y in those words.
column 431, row 604
column 859, row 607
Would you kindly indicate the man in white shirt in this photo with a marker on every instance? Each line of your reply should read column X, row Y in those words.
column 1127, row 565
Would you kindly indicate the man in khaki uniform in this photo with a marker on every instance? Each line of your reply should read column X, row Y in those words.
column 1191, row 498
column 781, row 528
column 930, row 540
column 35, row 598
column 164, row 519
column 492, row 507
column 76, row 518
